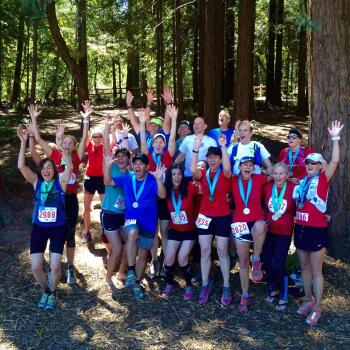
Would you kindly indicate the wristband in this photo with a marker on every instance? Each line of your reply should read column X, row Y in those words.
column 149, row 105
column 129, row 107
column 125, row 138
column 194, row 151
column 85, row 121
column 335, row 138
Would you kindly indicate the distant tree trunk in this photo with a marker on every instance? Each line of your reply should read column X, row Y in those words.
column 229, row 73
column 63, row 51
column 34, row 63
column 1, row 52
column 270, row 59
column 213, row 60
column 195, row 58
column 179, row 70
column 329, row 99
column 159, row 54
column 26, row 62
column 201, row 43
column 173, row 56
column 53, row 83
column 277, row 95
column 120, row 82
column 16, row 90
column 244, row 98
column 95, row 78
column 114, row 81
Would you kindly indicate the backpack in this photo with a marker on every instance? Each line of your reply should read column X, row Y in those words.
column 257, row 154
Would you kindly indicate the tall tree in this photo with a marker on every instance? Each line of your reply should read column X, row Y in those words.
column 201, row 13
column 244, row 98
column 329, row 99
column 34, row 62
column 160, row 54
column 195, row 56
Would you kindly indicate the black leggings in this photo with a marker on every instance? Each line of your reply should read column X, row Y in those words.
column 274, row 254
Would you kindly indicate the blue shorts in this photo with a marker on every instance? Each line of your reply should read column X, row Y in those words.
column 247, row 237
column 219, row 226
column 311, row 239
column 111, row 221
column 93, row 184
column 40, row 235
column 144, row 239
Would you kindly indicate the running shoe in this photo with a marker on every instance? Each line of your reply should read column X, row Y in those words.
column 137, row 291
column 154, row 268
column 189, row 293
column 243, row 305
column 51, row 302
column 163, row 272
column 71, row 278
column 306, row 306
column 257, row 274
column 226, row 297
column 130, row 279
column 168, row 291
column 204, row 293
column 43, row 300
column 313, row 317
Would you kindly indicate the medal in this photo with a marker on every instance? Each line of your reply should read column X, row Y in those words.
column 290, row 173
column 211, row 198
column 246, row 211
column 301, row 205
column 276, row 216
column 277, row 200
column 135, row 205
column 140, row 190
column 303, row 189
column 212, row 185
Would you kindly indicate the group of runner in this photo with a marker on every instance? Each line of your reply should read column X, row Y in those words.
column 194, row 189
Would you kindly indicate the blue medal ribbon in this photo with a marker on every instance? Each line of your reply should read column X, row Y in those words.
column 304, row 187
column 291, row 158
column 177, row 205
column 212, row 185
column 245, row 196
column 277, row 199
column 139, row 192
column 156, row 158
column 45, row 189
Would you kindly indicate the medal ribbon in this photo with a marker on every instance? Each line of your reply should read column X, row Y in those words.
column 212, row 185
column 156, row 158
column 304, row 186
column 245, row 197
column 139, row 192
column 45, row 189
column 177, row 205
column 291, row 158
column 277, row 199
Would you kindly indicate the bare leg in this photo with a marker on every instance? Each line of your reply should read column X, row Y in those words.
column 305, row 265
column 222, row 249
column 205, row 244
column 243, row 255
column 116, row 244
column 258, row 233
column 316, row 259
column 131, row 247
column 55, row 265
column 88, row 197
column 36, row 261
column 141, row 263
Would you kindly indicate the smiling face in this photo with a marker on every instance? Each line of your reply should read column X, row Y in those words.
column 176, row 177
column 118, row 122
column 224, row 120
column 312, row 168
column 280, row 175
column 139, row 168
column 246, row 169
column 68, row 144
column 122, row 160
column 153, row 128
column 183, row 130
column 47, row 171
column 293, row 141
column 199, row 126
column 245, row 133
column 158, row 144
column 97, row 139
column 214, row 161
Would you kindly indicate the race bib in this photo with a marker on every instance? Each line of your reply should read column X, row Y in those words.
column 302, row 216
column 129, row 222
column 119, row 203
column 179, row 218
column 47, row 214
column 239, row 229
column 282, row 208
column 203, row 221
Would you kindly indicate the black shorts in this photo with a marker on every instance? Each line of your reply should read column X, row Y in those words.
column 93, row 184
column 40, row 235
column 311, row 239
column 248, row 237
column 163, row 212
column 181, row 236
column 111, row 221
column 71, row 209
column 219, row 226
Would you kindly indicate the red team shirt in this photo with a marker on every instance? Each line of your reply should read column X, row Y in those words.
column 219, row 206
column 255, row 199
column 285, row 224
column 309, row 215
column 95, row 160
column 56, row 156
column 299, row 170
column 187, row 206
column 166, row 160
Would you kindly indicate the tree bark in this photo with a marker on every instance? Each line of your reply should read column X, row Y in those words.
column 195, row 58
column 329, row 99
column 244, row 94
column 201, row 43
column 114, row 81
column 179, row 69
column 159, row 53
column 34, row 63
column 1, row 52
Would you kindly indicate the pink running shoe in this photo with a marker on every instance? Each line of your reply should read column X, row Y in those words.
column 313, row 317
column 306, row 306
column 189, row 293
column 203, row 294
column 226, row 297
column 168, row 291
column 243, row 305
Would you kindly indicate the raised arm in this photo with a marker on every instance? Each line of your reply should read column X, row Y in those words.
column 29, row 175
column 334, row 132
column 59, row 133
column 35, row 155
column 180, row 158
column 107, row 163
column 144, row 147
column 125, row 133
column 87, row 107
column 168, row 101
column 134, row 123
column 196, row 173
column 172, row 142
column 34, row 112
column 226, row 164
column 106, row 133
column 68, row 169
column 158, row 175
column 150, row 95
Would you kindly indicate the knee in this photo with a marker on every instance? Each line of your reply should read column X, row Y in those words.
column 243, row 262
column 56, row 268
column 222, row 252
column 205, row 251
column 182, row 259
column 305, row 266
column 259, row 228
column 37, row 269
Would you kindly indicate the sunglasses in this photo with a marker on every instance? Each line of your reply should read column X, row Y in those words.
column 310, row 162
column 97, row 137
column 292, row 137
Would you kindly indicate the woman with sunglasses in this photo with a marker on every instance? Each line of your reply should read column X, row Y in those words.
column 311, row 236
column 294, row 155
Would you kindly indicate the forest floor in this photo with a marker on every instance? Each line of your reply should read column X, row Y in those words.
column 90, row 316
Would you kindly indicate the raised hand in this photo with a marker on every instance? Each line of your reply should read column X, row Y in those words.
column 197, row 142
column 108, row 158
column 222, row 140
column 150, row 96
column 60, row 128
column 129, row 98
column 109, row 121
column 34, row 111
column 167, row 96
column 158, row 173
column 173, row 112
column 126, row 129
column 30, row 129
column 88, row 109
column 142, row 116
column 22, row 133
column 335, row 128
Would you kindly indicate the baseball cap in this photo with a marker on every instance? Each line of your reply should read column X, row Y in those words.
column 247, row 159
column 142, row 157
column 314, row 157
column 185, row 122
column 158, row 135
column 215, row 151
column 157, row 120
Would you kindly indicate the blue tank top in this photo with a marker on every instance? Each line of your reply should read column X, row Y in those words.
column 50, row 213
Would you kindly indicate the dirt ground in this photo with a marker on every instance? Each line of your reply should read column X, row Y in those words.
column 90, row 316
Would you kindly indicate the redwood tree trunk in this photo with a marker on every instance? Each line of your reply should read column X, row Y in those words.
column 329, row 99
column 244, row 98
column 201, row 41
column 195, row 58
column 160, row 52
